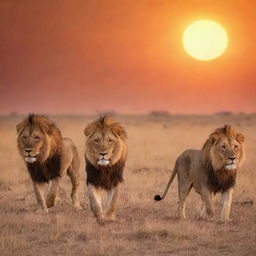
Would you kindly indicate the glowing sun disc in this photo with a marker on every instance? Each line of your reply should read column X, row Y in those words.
column 205, row 40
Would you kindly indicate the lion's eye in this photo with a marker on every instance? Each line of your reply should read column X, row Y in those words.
column 37, row 138
column 96, row 141
column 223, row 147
column 235, row 147
column 24, row 138
column 110, row 140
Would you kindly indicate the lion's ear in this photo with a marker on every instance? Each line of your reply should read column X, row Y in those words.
column 240, row 138
column 118, row 130
column 20, row 127
column 214, row 137
column 89, row 130
column 45, row 127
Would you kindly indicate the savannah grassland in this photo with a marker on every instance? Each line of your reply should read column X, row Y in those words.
column 144, row 227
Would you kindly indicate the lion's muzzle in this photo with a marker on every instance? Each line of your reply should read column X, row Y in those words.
column 231, row 164
column 29, row 156
column 103, row 162
column 30, row 159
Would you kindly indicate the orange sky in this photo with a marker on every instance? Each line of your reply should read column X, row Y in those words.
column 124, row 55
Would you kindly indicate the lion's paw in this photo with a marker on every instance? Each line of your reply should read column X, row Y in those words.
column 78, row 207
column 110, row 218
column 225, row 220
column 41, row 211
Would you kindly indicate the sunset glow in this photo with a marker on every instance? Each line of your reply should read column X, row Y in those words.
column 128, row 56
column 205, row 40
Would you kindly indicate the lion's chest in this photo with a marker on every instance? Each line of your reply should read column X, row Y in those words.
column 221, row 180
column 104, row 177
column 42, row 173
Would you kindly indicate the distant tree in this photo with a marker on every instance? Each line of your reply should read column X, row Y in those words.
column 159, row 113
column 224, row 113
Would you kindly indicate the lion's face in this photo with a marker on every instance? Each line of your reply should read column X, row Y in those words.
column 38, row 138
column 104, row 143
column 227, row 151
column 30, row 143
column 104, row 147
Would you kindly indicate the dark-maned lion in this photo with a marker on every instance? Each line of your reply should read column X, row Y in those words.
column 105, row 155
column 210, row 170
column 48, row 157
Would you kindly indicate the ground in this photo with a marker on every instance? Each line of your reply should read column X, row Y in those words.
column 144, row 227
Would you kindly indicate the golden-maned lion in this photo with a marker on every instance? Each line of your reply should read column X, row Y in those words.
column 48, row 158
column 210, row 170
column 105, row 156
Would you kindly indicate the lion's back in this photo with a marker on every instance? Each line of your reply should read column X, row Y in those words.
column 189, row 167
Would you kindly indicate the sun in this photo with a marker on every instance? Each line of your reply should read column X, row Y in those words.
column 205, row 40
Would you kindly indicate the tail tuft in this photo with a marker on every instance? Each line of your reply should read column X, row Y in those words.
column 158, row 198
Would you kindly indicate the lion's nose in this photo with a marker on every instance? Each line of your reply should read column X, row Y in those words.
column 103, row 154
column 232, row 158
column 28, row 150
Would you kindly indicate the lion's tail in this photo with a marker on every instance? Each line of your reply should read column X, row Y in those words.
column 158, row 197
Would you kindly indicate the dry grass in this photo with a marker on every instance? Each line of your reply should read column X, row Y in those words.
column 143, row 227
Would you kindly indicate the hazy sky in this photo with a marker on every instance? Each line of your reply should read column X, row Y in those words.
column 84, row 56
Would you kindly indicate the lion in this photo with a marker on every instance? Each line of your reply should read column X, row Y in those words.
column 105, row 156
column 48, row 157
column 209, row 171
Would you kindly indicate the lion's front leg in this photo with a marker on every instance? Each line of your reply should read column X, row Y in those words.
column 51, row 196
column 75, row 180
column 112, row 197
column 206, row 196
column 227, row 201
column 39, row 197
column 95, row 202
